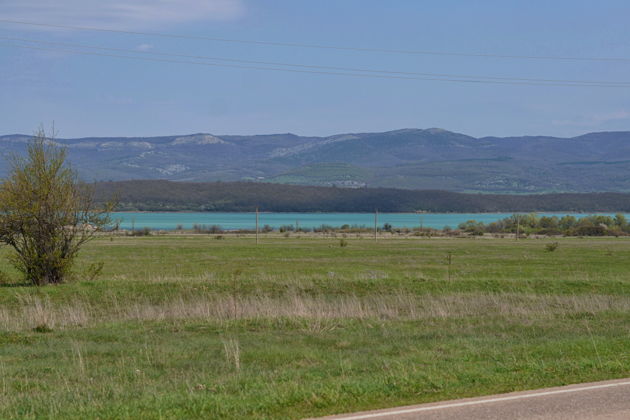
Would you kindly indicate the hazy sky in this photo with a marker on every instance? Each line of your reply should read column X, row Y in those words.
column 109, row 96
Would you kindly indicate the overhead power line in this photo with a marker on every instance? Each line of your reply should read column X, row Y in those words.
column 335, row 68
column 318, row 46
column 290, row 70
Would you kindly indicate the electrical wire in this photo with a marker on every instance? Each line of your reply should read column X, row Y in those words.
column 359, row 75
column 318, row 46
column 345, row 69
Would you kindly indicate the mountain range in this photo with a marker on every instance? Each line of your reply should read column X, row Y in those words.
column 408, row 158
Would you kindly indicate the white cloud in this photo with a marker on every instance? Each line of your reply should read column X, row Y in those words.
column 144, row 47
column 594, row 119
column 121, row 14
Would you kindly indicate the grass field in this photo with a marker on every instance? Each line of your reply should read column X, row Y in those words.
column 194, row 327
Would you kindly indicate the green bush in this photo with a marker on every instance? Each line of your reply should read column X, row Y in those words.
column 551, row 247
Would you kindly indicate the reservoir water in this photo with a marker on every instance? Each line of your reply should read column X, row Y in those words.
column 232, row 221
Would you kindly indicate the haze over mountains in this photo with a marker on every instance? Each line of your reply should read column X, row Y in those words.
column 409, row 158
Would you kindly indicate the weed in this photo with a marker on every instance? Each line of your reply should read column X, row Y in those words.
column 551, row 246
column 141, row 232
column 94, row 270
column 232, row 353
column 5, row 279
column 42, row 328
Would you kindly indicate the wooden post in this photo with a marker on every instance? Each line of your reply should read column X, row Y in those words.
column 256, row 225
column 375, row 225
column 449, row 261
column 297, row 225
column 518, row 225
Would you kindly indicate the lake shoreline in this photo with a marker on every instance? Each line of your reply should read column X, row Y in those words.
column 276, row 220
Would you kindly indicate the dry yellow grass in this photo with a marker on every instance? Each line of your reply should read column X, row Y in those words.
column 34, row 311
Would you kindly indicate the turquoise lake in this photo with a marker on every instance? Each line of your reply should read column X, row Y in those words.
column 231, row 221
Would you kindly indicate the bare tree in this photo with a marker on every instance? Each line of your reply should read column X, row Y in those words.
column 46, row 213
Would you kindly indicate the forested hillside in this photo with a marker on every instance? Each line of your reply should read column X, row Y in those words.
column 246, row 196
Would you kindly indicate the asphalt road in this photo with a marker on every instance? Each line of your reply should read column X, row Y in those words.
column 609, row 400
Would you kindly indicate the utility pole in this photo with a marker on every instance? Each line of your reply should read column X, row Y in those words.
column 518, row 225
column 256, row 225
column 297, row 225
column 375, row 225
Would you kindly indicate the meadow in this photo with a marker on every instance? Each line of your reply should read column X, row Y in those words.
column 207, row 326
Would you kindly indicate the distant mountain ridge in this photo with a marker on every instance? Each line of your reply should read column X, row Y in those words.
column 408, row 158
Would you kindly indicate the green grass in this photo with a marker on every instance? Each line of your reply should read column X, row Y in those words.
column 194, row 327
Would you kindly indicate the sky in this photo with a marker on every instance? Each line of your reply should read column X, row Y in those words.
column 103, row 95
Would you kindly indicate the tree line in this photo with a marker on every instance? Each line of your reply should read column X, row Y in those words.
column 158, row 195
column 592, row 225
